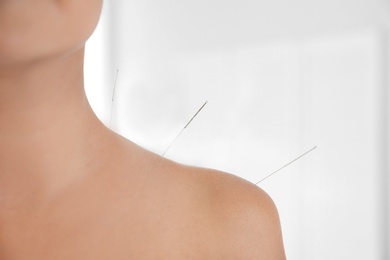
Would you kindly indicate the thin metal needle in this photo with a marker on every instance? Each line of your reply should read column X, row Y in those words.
column 315, row 147
column 189, row 122
column 113, row 95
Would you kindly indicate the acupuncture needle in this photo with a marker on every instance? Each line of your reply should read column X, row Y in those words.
column 113, row 96
column 189, row 122
column 315, row 147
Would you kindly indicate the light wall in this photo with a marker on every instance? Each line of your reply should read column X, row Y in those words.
column 280, row 78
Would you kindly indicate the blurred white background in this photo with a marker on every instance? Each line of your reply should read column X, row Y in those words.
column 280, row 78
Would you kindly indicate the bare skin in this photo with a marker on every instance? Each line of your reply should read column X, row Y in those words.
column 72, row 189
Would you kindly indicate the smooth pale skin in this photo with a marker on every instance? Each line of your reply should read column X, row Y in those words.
column 72, row 189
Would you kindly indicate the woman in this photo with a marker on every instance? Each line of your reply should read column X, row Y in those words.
column 72, row 189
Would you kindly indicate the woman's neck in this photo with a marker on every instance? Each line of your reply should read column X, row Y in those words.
column 49, row 136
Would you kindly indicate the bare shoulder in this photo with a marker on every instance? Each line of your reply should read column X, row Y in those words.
column 245, row 219
column 211, row 214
